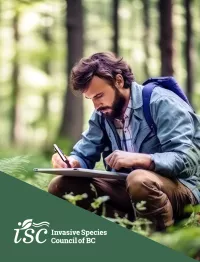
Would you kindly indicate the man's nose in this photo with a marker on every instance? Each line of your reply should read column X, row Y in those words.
column 97, row 104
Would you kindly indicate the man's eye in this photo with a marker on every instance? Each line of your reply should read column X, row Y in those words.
column 99, row 96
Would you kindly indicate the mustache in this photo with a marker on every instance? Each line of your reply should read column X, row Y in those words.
column 103, row 108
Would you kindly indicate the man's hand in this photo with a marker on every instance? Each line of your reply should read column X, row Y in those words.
column 58, row 163
column 119, row 159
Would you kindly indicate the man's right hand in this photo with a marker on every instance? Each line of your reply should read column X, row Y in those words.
column 58, row 163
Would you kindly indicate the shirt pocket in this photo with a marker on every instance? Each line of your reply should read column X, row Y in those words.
column 151, row 145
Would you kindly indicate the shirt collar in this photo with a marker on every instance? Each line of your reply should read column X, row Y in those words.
column 136, row 94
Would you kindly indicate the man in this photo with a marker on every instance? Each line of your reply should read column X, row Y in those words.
column 158, row 166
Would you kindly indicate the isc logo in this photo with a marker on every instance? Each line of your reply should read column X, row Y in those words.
column 27, row 234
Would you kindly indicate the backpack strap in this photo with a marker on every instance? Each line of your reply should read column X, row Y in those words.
column 167, row 82
column 146, row 96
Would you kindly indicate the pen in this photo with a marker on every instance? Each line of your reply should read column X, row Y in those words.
column 62, row 156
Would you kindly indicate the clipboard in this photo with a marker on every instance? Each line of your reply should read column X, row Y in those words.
column 82, row 172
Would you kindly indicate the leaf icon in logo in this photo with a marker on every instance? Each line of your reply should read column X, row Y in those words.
column 27, row 223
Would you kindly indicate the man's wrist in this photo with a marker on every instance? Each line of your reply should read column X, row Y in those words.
column 145, row 161
column 150, row 165
column 75, row 162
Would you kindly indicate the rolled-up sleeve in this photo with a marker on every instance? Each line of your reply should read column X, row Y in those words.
column 176, row 133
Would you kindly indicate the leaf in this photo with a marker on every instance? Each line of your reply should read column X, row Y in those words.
column 27, row 223
column 14, row 165
column 73, row 199
column 141, row 206
column 99, row 201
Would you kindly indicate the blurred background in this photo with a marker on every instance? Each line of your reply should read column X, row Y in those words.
column 41, row 40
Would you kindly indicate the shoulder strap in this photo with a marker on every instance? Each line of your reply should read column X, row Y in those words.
column 167, row 82
column 146, row 96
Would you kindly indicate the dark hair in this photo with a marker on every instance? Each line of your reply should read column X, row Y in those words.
column 104, row 65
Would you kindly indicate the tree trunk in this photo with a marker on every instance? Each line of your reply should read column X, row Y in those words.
column 72, row 119
column 188, row 49
column 146, row 20
column 166, row 37
column 115, row 27
column 46, row 34
column 15, row 110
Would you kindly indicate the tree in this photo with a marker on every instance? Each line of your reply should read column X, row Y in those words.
column 115, row 21
column 72, row 119
column 146, row 19
column 188, row 48
column 47, row 36
column 15, row 114
column 166, row 37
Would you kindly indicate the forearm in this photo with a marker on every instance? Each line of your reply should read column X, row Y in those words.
column 122, row 159
column 143, row 161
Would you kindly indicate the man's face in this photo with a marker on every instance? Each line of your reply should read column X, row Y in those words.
column 106, row 99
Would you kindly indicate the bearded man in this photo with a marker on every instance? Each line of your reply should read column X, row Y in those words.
column 155, row 163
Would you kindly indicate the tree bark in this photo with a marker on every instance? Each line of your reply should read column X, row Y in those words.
column 115, row 27
column 166, row 37
column 72, row 119
column 188, row 49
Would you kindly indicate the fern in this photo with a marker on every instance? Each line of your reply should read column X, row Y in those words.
column 15, row 166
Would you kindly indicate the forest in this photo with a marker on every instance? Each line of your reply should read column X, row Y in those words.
column 41, row 40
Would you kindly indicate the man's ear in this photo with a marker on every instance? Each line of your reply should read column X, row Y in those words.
column 119, row 81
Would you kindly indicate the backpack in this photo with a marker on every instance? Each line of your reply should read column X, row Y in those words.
column 165, row 82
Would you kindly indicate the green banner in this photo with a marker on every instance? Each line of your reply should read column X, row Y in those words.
column 35, row 224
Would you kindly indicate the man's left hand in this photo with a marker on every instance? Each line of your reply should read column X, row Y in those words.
column 119, row 159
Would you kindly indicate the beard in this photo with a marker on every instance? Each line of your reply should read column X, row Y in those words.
column 116, row 110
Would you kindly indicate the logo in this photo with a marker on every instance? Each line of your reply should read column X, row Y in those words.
column 27, row 234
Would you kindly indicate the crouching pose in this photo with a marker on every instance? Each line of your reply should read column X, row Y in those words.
column 161, row 160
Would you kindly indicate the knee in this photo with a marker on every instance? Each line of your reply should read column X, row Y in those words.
column 137, row 184
column 56, row 185
column 61, row 185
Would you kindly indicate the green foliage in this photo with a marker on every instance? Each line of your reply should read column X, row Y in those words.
column 99, row 201
column 22, row 167
column 73, row 199
column 141, row 206
column 15, row 166
column 185, row 240
column 140, row 225
column 184, row 237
